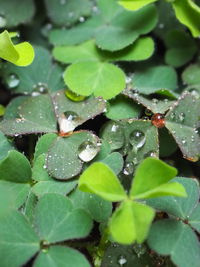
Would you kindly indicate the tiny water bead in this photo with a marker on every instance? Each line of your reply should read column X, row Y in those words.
column 151, row 154
column 88, row 150
column 137, row 139
column 122, row 260
column 3, row 21
column 40, row 88
column 128, row 168
column 68, row 121
column 73, row 96
column 12, row 81
column 158, row 120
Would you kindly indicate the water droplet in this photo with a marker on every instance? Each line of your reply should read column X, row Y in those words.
column 128, row 169
column 195, row 93
column 155, row 101
column 137, row 139
column 95, row 9
column 87, row 151
column 151, row 154
column 2, row 21
column 12, row 81
column 158, row 120
column 148, row 112
column 62, row 2
column 122, row 260
column 161, row 25
column 128, row 79
column 68, row 121
column 166, row 100
column 73, row 96
column 181, row 117
column 183, row 141
column 172, row 115
column 81, row 19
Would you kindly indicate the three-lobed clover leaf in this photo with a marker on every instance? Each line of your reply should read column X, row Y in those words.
column 131, row 220
column 21, row 54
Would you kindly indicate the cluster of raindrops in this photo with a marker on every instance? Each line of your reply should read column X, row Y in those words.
column 12, row 80
column 40, row 88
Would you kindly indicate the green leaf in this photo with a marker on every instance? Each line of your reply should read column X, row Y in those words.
column 108, row 26
column 188, row 13
column 191, row 75
column 70, row 152
column 5, row 146
column 36, row 116
column 122, row 107
column 194, row 219
column 56, row 220
column 15, row 168
column 100, row 79
column 17, row 240
column 135, row 4
column 150, row 175
column 62, row 257
column 132, row 255
column 155, row 105
column 152, row 79
column 174, row 238
column 13, row 18
column 181, row 48
column 182, row 121
column 167, row 144
column 179, row 207
column 131, row 222
column 141, row 49
column 114, row 161
column 99, row 209
column 41, row 76
column 99, row 179
column 69, row 12
column 12, row 109
column 2, row 110
column 21, row 54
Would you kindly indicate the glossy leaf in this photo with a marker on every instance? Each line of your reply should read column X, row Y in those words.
column 57, row 220
column 112, row 20
column 40, row 77
column 188, row 13
column 99, row 209
column 71, row 152
column 36, row 116
column 131, row 222
column 103, row 79
column 65, row 13
column 21, row 54
column 135, row 4
column 62, row 257
column 182, row 122
column 101, row 180
column 176, row 239
column 150, row 80
column 15, row 168
column 17, row 239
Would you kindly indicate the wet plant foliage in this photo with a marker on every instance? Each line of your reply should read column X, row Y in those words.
column 99, row 133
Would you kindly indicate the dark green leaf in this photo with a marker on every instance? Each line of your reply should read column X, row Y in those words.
column 5, row 146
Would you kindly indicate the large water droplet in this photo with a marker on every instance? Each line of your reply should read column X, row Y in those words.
column 128, row 169
column 114, row 135
column 137, row 139
column 12, row 81
column 181, row 117
column 73, row 96
column 87, row 151
column 2, row 21
column 68, row 121
column 122, row 260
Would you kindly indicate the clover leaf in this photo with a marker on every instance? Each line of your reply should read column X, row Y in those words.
column 21, row 54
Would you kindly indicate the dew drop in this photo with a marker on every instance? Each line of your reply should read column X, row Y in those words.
column 172, row 115
column 158, row 120
column 195, row 93
column 128, row 169
column 122, row 260
column 155, row 101
column 181, row 117
column 40, row 88
column 87, row 151
column 68, row 121
column 114, row 135
column 73, row 96
column 128, row 80
column 137, row 139
column 81, row 19
column 3, row 21
column 183, row 141
column 12, row 81
column 151, row 154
